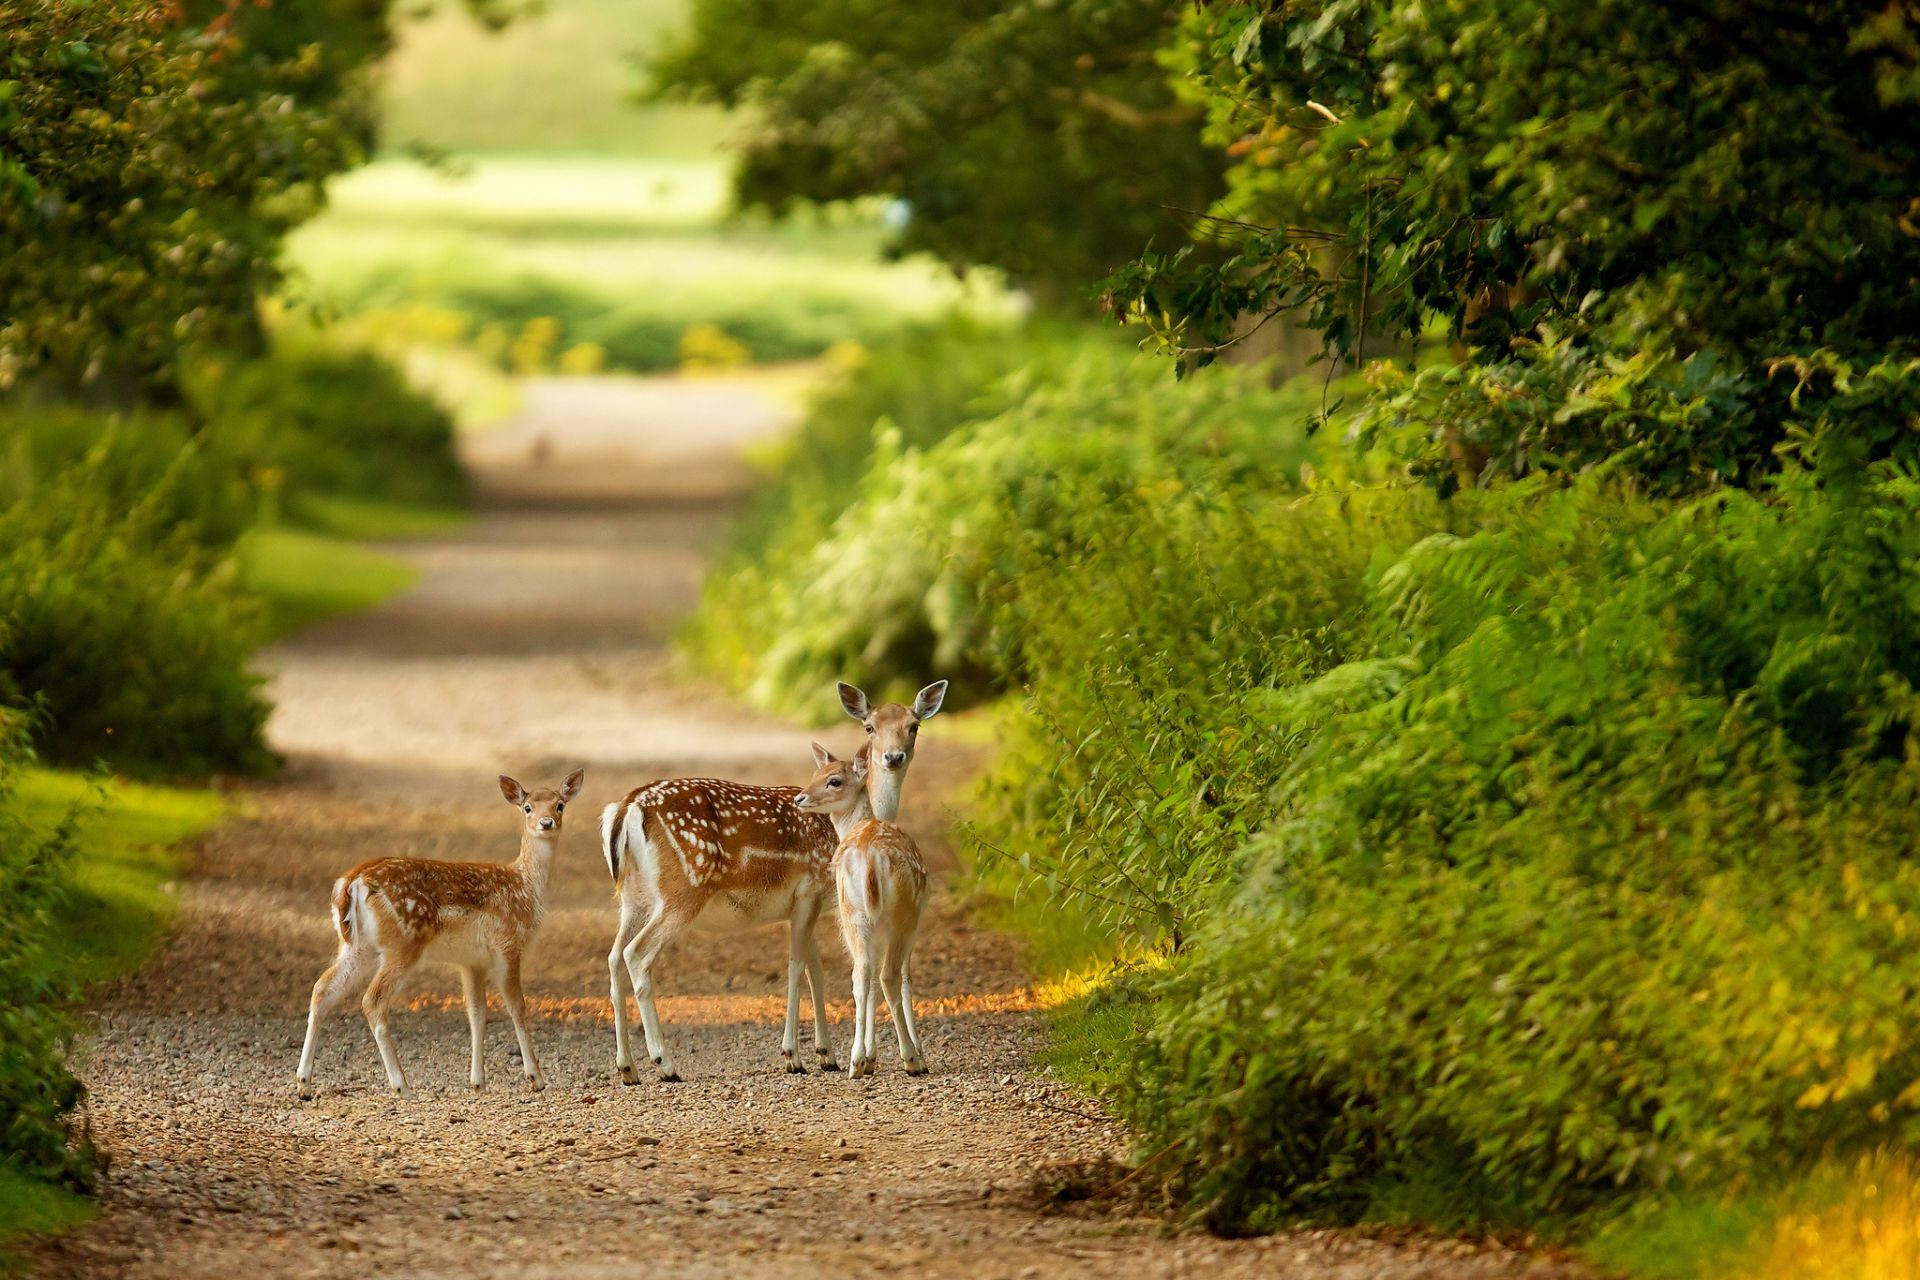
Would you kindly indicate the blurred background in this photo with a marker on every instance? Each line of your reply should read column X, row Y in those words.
column 1421, row 498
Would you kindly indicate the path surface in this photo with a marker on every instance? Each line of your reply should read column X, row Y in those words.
column 535, row 641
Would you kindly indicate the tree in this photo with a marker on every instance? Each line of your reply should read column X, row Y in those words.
column 1040, row 137
column 1727, row 191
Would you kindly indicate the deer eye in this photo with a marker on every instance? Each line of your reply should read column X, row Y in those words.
column 559, row 806
column 527, row 808
column 833, row 782
column 868, row 728
column 912, row 729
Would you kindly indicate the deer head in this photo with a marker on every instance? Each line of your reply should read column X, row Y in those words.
column 892, row 728
column 543, row 806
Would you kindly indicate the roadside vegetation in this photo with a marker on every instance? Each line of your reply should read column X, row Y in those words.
column 1472, row 792
column 185, row 468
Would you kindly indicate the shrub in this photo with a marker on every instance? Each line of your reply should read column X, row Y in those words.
column 1582, row 871
column 119, row 616
column 907, row 579
column 37, row 1091
column 317, row 418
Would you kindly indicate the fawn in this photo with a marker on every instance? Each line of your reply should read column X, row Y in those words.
column 881, row 883
column 723, row 856
column 393, row 913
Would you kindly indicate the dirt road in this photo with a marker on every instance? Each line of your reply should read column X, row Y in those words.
column 537, row 640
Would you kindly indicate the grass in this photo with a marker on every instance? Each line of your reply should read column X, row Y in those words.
column 305, row 576
column 31, row 1207
column 129, row 837
column 627, row 253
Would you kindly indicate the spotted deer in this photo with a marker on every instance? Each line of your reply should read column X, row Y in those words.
column 726, row 856
column 880, row 882
column 393, row 914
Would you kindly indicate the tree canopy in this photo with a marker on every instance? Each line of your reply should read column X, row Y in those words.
column 1725, row 191
column 1040, row 137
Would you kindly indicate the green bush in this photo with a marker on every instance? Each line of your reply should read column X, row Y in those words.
column 37, row 1091
column 907, row 578
column 313, row 418
column 127, row 633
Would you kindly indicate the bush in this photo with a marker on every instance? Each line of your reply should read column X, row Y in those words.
column 119, row 622
column 314, row 418
column 37, row 1091
column 906, row 579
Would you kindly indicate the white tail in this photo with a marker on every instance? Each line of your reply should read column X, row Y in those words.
column 393, row 913
column 720, row 855
column 881, row 883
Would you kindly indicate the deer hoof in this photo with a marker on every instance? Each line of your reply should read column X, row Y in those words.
column 629, row 1075
column 306, row 1090
column 669, row 1077
column 536, row 1083
column 829, row 1065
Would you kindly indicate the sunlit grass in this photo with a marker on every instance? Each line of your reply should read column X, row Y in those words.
column 306, row 576
column 126, row 834
column 629, row 254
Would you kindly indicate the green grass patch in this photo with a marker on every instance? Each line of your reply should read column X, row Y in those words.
column 30, row 1206
column 116, row 901
column 627, row 254
column 340, row 516
column 304, row 577
column 127, row 834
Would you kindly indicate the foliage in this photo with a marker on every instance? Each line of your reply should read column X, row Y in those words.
column 628, row 255
column 997, row 474
column 1713, row 186
column 321, row 418
column 36, row 1088
column 154, row 155
column 121, row 624
column 83, row 894
column 1578, row 867
column 1037, row 137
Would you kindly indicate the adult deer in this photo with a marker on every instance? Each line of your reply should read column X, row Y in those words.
column 725, row 856
column 880, row 881
column 395, row 913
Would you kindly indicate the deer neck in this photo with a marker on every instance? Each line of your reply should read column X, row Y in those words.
column 883, row 792
column 857, row 812
column 536, row 857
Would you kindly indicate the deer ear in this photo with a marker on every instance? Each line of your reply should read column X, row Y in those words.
column 821, row 756
column 927, row 705
column 861, row 761
column 854, row 701
column 515, row 793
column 571, row 787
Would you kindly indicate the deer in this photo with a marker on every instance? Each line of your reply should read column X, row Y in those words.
column 892, row 730
column 393, row 914
column 880, row 882
column 725, row 856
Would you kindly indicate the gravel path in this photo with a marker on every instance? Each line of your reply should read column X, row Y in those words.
column 537, row 641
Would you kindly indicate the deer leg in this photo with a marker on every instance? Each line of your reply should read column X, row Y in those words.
column 913, row 1058
column 817, row 989
column 799, row 936
column 663, row 928
column 892, row 978
column 373, row 1003
column 617, row 980
column 473, row 985
column 516, row 1003
column 339, row 981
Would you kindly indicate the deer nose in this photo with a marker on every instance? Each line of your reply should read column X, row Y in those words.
column 895, row 759
column 546, row 824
